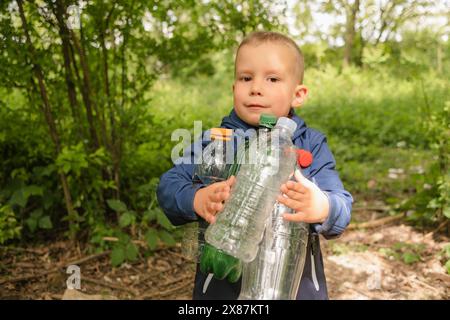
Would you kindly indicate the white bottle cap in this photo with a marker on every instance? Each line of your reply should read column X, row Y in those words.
column 287, row 124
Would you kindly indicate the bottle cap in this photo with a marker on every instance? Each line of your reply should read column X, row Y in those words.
column 267, row 120
column 223, row 134
column 304, row 158
column 287, row 124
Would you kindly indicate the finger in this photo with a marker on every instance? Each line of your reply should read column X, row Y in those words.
column 219, row 196
column 226, row 188
column 295, row 217
column 294, row 195
column 220, row 185
column 215, row 207
column 224, row 196
column 296, row 186
column 219, row 207
column 231, row 181
column 211, row 208
column 293, row 204
column 209, row 218
column 214, row 197
column 302, row 179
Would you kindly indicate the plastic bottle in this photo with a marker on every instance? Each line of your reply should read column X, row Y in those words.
column 213, row 260
column 276, row 272
column 213, row 167
column 239, row 229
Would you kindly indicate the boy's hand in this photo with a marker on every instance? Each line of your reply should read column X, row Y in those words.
column 311, row 204
column 209, row 201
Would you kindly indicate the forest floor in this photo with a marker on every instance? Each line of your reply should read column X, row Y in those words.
column 385, row 260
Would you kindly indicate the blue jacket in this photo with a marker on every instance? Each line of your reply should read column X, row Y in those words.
column 176, row 194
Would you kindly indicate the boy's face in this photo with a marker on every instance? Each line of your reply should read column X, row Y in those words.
column 266, row 81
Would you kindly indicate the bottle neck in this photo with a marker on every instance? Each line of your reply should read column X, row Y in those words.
column 283, row 131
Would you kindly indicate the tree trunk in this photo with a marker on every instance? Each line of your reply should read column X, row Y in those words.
column 351, row 13
column 113, row 146
column 65, row 36
column 46, row 107
column 85, row 92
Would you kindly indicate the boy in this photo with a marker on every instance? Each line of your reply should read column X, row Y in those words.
column 268, row 79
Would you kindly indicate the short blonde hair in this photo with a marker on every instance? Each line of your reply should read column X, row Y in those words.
column 270, row 36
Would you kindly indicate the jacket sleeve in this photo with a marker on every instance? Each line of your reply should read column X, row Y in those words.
column 176, row 190
column 323, row 173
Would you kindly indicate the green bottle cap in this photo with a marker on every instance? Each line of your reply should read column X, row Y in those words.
column 267, row 120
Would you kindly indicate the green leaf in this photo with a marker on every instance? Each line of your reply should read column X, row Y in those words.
column 152, row 238
column 126, row 219
column 410, row 257
column 48, row 170
column 32, row 224
column 45, row 223
column 447, row 266
column 117, row 205
column 163, row 221
column 447, row 251
column 123, row 237
column 117, row 256
column 131, row 251
column 34, row 190
column 149, row 215
column 36, row 214
column 446, row 212
column 19, row 198
column 166, row 238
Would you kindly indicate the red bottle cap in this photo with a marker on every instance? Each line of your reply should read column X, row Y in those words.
column 304, row 158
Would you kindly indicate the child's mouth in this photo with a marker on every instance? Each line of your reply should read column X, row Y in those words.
column 256, row 106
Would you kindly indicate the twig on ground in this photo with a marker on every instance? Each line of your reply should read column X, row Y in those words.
column 439, row 228
column 35, row 251
column 166, row 292
column 370, row 208
column 376, row 223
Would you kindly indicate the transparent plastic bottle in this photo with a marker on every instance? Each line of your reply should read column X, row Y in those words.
column 276, row 272
column 239, row 229
column 213, row 167
column 216, row 161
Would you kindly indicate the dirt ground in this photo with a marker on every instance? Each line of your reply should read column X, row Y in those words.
column 362, row 264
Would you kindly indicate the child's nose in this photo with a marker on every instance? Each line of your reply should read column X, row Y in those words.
column 255, row 89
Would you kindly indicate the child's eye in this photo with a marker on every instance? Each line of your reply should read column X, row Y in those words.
column 273, row 79
column 246, row 78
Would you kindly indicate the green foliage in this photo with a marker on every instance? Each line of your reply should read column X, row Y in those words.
column 79, row 138
column 432, row 204
column 407, row 252
column 148, row 228
column 38, row 220
column 20, row 196
column 445, row 254
column 9, row 226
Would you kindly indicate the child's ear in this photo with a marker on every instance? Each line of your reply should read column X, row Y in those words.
column 300, row 95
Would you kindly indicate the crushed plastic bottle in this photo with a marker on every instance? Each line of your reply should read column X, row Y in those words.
column 276, row 272
column 239, row 229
